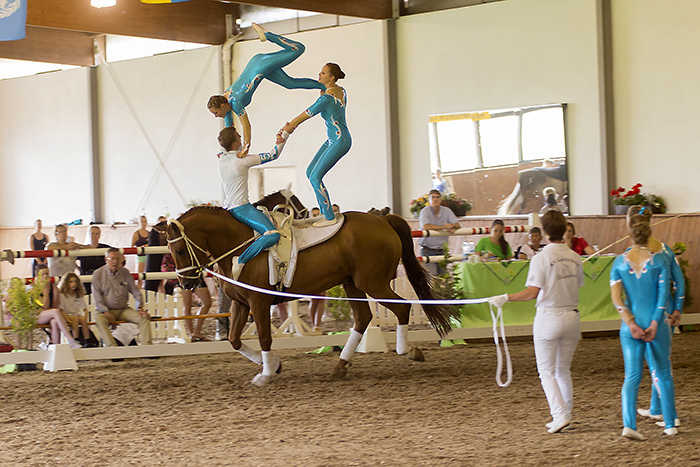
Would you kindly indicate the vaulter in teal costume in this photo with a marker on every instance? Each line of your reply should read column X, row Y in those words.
column 262, row 66
column 675, row 303
column 331, row 106
column 647, row 292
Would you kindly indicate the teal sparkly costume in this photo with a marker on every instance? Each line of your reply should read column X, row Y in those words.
column 336, row 146
column 646, row 296
column 267, row 66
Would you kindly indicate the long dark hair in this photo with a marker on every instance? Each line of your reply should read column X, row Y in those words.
column 501, row 241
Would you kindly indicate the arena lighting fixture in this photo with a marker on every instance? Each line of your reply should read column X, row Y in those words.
column 102, row 3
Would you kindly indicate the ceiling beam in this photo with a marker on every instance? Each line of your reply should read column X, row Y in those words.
column 52, row 46
column 201, row 21
column 373, row 9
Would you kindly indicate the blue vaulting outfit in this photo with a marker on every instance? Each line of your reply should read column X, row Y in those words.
column 233, row 172
column 675, row 303
column 267, row 66
column 646, row 296
column 336, row 146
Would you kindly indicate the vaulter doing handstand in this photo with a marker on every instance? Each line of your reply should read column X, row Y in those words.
column 233, row 171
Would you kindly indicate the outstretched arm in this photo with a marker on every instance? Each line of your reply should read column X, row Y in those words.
column 291, row 126
column 247, row 133
column 277, row 150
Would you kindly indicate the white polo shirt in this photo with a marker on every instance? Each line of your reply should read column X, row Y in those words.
column 558, row 271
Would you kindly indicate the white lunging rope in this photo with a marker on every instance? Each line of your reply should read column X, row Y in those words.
column 499, row 354
column 466, row 301
column 469, row 301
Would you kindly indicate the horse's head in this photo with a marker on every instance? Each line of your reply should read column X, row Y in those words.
column 189, row 257
column 283, row 199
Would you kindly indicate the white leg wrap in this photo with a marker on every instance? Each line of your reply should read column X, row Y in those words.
column 402, row 339
column 267, row 363
column 252, row 355
column 351, row 345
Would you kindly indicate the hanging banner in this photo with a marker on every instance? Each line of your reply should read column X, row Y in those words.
column 13, row 19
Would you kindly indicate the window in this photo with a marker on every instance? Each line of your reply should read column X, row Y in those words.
column 494, row 138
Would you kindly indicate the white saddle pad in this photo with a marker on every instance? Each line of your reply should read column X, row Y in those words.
column 282, row 258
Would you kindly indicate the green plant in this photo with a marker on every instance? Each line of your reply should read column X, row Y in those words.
column 448, row 285
column 679, row 248
column 23, row 303
column 338, row 309
column 634, row 196
column 418, row 204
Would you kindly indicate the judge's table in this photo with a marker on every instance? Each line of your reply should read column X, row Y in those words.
column 484, row 279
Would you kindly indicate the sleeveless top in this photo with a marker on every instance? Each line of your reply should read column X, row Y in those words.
column 39, row 244
column 142, row 241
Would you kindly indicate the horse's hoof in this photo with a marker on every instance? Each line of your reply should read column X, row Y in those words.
column 261, row 380
column 340, row 372
column 279, row 366
column 416, row 354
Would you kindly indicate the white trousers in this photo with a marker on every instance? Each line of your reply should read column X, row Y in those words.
column 556, row 332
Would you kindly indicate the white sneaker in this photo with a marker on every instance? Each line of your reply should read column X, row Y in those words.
column 646, row 413
column 558, row 425
column 671, row 431
column 676, row 423
column 74, row 344
column 261, row 32
column 632, row 434
column 326, row 222
column 236, row 268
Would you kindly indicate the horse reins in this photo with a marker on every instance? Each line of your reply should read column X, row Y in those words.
column 190, row 245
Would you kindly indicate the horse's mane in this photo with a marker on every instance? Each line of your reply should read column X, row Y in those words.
column 196, row 208
column 265, row 201
column 266, row 198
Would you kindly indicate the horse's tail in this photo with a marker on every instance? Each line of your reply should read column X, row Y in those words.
column 439, row 315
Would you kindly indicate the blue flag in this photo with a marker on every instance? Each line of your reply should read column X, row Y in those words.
column 13, row 19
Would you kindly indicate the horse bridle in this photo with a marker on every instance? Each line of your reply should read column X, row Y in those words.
column 190, row 246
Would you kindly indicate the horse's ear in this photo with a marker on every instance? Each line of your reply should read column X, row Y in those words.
column 161, row 226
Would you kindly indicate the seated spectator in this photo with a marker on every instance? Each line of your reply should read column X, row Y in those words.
column 38, row 241
column 315, row 212
column 72, row 304
column 435, row 216
column 494, row 246
column 111, row 285
column 533, row 245
column 60, row 266
column 578, row 244
column 90, row 264
column 50, row 313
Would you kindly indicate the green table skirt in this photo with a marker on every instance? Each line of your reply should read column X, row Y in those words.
column 495, row 278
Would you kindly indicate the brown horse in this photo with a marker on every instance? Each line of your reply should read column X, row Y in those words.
column 362, row 256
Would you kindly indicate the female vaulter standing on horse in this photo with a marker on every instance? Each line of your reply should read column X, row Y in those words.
column 262, row 66
column 331, row 106
column 233, row 171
